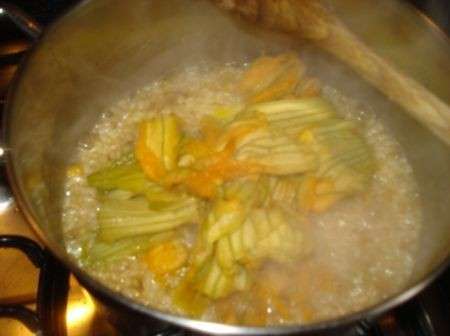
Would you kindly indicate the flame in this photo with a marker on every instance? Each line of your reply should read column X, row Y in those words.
column 80, row 311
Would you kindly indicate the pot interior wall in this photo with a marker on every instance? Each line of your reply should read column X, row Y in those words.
column 104, row 50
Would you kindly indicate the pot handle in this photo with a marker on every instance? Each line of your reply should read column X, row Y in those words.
column 33, row 30
column 51, row 299
column 22, row 20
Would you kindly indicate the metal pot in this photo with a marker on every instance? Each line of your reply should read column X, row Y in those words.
column 103, row 50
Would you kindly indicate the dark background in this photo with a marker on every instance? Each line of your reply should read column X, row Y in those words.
column 438, row 10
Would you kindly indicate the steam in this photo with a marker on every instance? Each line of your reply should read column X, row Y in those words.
column 132, row 45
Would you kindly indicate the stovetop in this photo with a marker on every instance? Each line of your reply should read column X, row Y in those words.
column 426, row 315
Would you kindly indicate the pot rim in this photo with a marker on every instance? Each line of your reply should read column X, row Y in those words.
column 96, row 288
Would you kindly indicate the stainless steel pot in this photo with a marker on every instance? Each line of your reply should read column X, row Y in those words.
column 103, row 50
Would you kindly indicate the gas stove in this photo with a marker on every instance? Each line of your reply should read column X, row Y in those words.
column 60, row 306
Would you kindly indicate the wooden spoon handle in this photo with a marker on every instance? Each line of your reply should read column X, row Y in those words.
column 416, row 99
column 309, row 19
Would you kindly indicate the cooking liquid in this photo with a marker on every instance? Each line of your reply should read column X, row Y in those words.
column 361, row 251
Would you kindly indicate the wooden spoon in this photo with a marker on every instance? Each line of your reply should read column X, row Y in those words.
column 312, row 20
